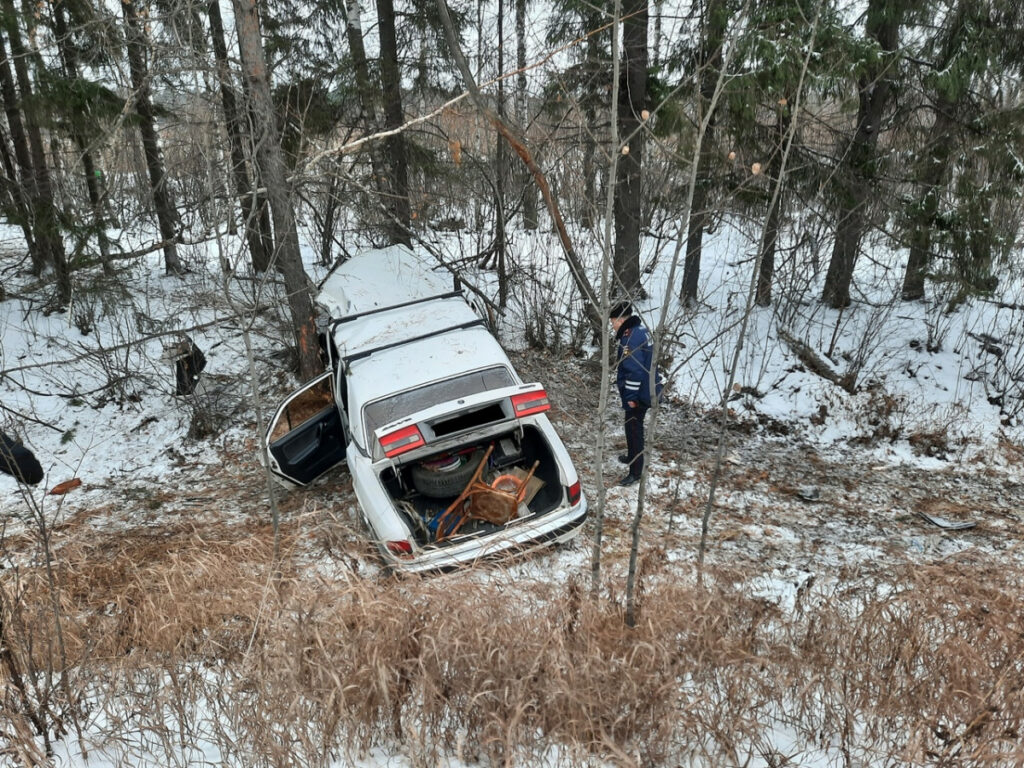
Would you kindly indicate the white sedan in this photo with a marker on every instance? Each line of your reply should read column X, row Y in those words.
column 451, row 454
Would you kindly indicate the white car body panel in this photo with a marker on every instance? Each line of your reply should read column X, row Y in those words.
column 381, row 277
column 417, row 363
column 416, row 333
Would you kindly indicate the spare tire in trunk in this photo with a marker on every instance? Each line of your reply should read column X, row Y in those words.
column 440, row 480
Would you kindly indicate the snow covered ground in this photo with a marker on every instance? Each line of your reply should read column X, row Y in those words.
column 818, row 483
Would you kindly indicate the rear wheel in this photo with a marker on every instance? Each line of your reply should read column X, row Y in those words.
column 445, row 477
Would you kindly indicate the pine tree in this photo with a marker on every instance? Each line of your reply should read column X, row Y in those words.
column 46, row 219
column 857, row 173
column 758, row 102
column 975, row 46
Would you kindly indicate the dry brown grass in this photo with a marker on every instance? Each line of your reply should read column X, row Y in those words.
column 186, row 635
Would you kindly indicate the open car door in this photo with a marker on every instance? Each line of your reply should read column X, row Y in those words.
column 306, row 437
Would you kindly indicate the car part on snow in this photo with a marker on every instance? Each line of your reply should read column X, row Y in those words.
column 949, row 525
column 809, row 493
column 19, row 461
column 189, row 361
column 68, row 485
column 446, row 477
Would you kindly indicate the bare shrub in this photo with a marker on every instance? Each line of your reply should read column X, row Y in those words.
column 187, row 641
column 882, row 417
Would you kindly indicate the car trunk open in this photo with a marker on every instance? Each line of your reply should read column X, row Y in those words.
column 514, row 450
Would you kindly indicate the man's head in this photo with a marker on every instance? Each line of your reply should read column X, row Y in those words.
column 619, row 313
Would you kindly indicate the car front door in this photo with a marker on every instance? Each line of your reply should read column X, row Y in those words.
column 306, row 437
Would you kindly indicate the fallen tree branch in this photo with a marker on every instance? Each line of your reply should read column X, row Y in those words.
column 817, row 364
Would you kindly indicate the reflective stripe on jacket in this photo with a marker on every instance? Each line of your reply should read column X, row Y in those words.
column 633, row 371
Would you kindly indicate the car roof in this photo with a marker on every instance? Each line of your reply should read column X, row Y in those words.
column 381, row 277
column 433, row 339
column 403, row 323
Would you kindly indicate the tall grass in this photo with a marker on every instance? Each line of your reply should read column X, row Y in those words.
column 188, row 647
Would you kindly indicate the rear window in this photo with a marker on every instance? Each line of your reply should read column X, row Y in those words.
column 381, row 412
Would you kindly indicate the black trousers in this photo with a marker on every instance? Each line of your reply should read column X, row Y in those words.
column 635, row 437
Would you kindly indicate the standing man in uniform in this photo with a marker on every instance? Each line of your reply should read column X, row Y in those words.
column 633, row 378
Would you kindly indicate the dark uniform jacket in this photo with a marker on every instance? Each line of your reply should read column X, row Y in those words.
column 636, row 352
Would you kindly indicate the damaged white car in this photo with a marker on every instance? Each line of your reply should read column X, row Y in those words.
column 451, row 454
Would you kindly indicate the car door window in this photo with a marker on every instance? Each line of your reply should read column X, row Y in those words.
column 309, row 404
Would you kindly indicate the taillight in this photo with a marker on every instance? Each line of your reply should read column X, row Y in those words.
column 574, row 493
column 530, row 402
column 402, row 440
column 402, row 547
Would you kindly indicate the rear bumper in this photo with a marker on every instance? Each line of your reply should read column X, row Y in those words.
column 549, row 529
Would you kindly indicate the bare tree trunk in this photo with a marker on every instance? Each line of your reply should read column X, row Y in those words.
column 394, row 117
column 587, row 212
column 523, row 114
column 628, row 193
column 255, row 239
column 367, row 93
column 658, row 37
column 930, row 179
column 163, row 201
column 935, row 162
column 711, row 64
column 330, row 217
column 883, row 25
column 271, row 163
column 500, row 170
column 771, row 228
column 607, row 273
column 23, row 194
column 47, row 229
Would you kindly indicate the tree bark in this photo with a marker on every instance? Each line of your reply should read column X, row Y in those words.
column 629, row 172
column 270, row 162
column 711, row 62
column 500, row 174
column 586, row 208
column 260, row 243
column 394, row 117
column 766, row 272
column 23, row 193
column 932, row 171
column 883, row 24
column 368, row 95
column 93, row 176
column 926, row 210
column 163, row 201
column 47, row 229
column 523, row 114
